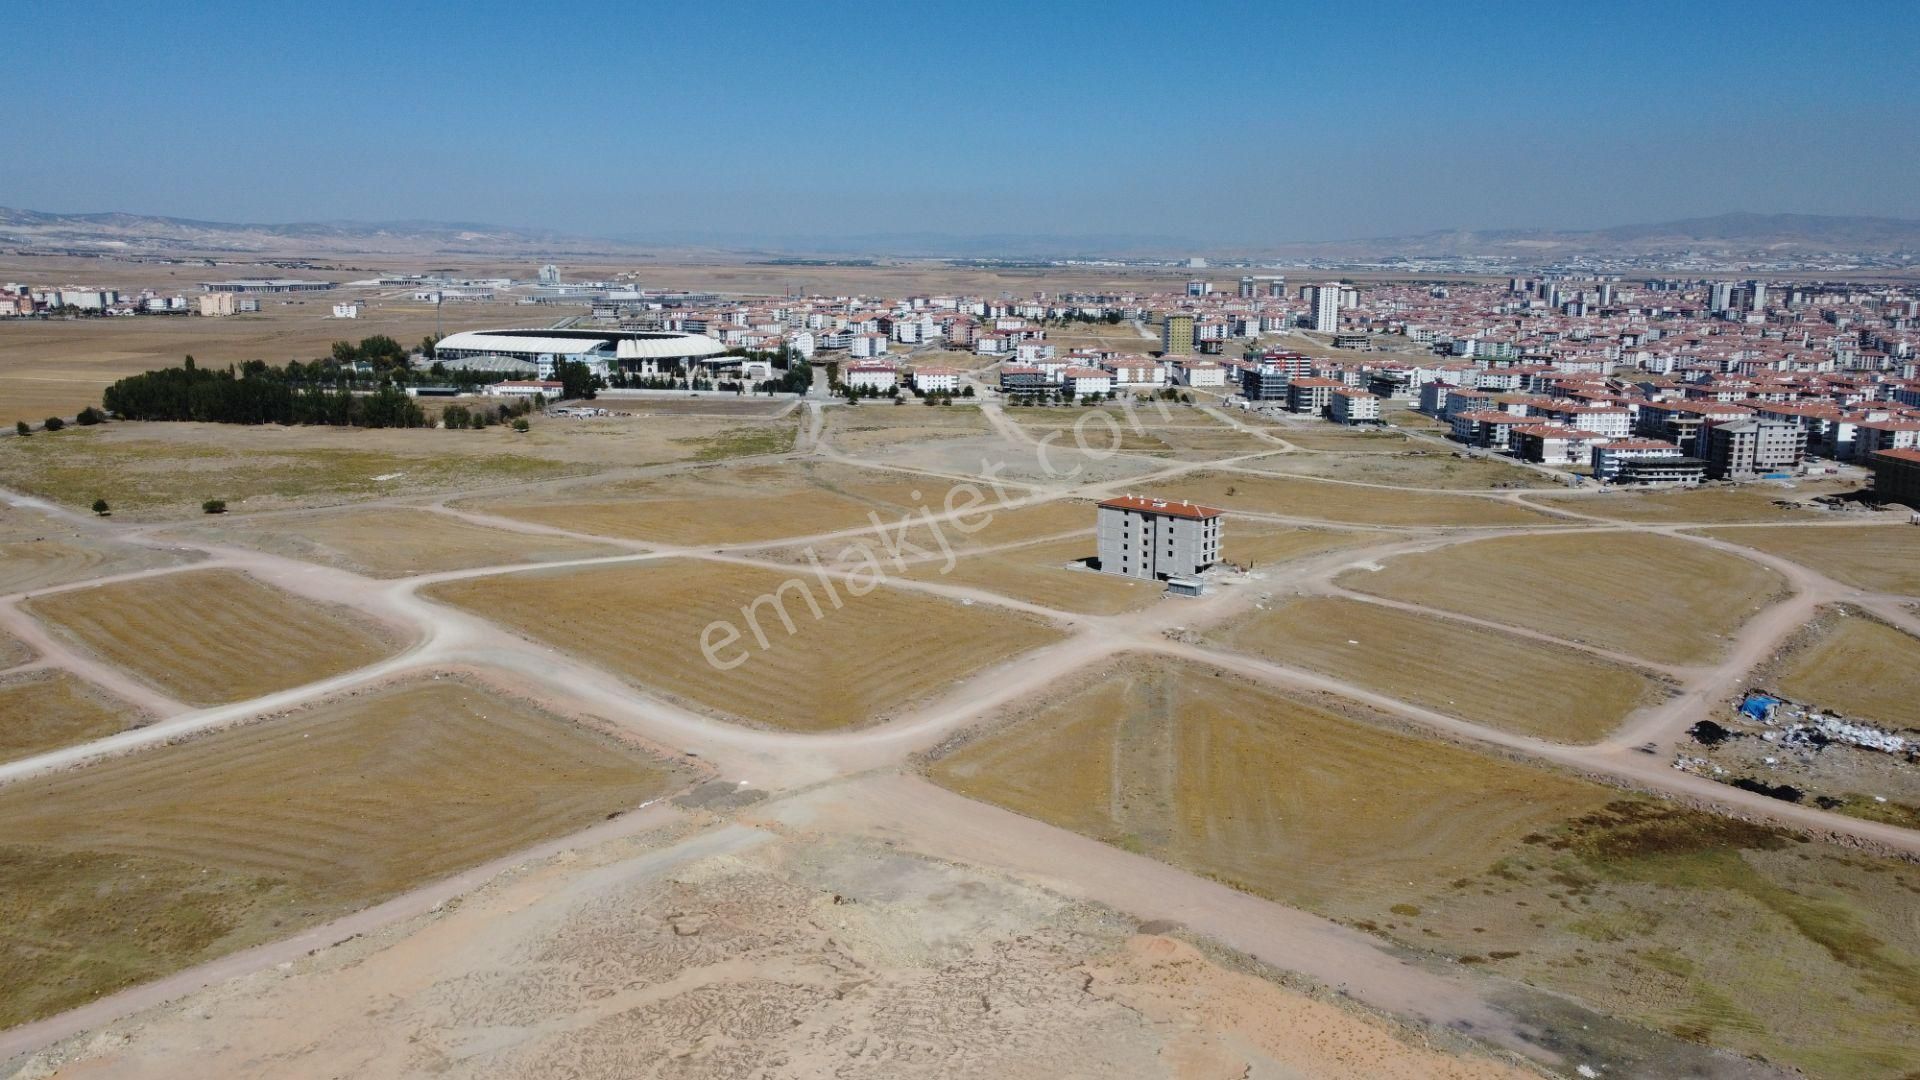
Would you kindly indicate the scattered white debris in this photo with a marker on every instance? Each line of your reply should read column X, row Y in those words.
column 1350, row 641
column 390, row 476
column 1587, row 1071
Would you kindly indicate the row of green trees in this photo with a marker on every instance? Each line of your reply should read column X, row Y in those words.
column 259, row 394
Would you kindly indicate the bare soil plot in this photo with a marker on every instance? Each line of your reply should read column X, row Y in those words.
column 140, row 865
column 727, row 505
column 1875, row 557
column 211, row 636
column 1256, row 544
column 614, row 974
column 1854, row 665
column 1642, row 910
column 1485, row 676
column 1218, row 440
column 391, row 542
column 1708, row 505
column 38, row 551
column 1414, row 470
column 867, row 430
column 1655, row 597
column 48, row 709
column 1346, row 503
column 162, row 471
column 647, row 622
column 1329, row 436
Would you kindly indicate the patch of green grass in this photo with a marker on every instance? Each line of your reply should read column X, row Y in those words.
column 744, row 441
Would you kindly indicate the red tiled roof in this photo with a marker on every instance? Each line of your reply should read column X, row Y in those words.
column 1162, row 506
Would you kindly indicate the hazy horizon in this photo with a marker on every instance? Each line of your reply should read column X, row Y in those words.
column 1230, row 127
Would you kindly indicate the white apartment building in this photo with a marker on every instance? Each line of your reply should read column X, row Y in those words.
column 1326, row 307
column 1082, row 381
column 1353, row 407
column 936, row 380
column 881, row 377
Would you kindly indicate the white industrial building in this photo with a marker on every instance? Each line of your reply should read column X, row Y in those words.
column 632, row 352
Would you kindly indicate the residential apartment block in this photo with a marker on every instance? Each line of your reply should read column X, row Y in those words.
column 1156, row 539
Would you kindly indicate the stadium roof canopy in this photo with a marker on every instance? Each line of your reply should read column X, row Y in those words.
column 623, row 344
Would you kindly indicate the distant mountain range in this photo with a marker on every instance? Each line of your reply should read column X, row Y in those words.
column 1738, row 235
column 150, row 234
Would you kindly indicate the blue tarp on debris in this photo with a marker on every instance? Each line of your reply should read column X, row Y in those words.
column 1758, row 706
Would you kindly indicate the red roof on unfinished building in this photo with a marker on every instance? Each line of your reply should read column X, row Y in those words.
column 1162, row 506
column 1909, row 456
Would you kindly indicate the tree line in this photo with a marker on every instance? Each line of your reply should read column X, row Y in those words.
column 257, row 393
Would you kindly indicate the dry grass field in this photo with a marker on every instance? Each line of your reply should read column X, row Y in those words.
column 646, row 622
column 13, row 651
column 1246, row 786
column 1345, row 503
column 56, row 367
column 1858, row 666
column 165, row 471
column 1215, row 441
column 38, row 551
column 1485, row 676
column 1417, row 470
column 725, row 505
column 1706, row 505
column 1654, row 597
column 48, row 709
column 920, row 543
column 211, row 636
column 1643, row 910
column 1258, row 545
column 390, row 542
column 1876, row 557
column 1345, row 440
column 1047, row 574
column 140, row 865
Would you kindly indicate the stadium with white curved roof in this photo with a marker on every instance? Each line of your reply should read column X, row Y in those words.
column 634, row 352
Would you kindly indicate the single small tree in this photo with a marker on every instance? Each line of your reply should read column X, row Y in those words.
column 20, row 428
column 54, row 423
column 521, row 424
column 100, row 507
column 89, row 416
column 214, row 506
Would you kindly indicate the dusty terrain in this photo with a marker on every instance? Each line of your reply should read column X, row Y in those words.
column 1456, row 847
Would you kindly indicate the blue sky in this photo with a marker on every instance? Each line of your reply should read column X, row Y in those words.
column 1224, row 123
